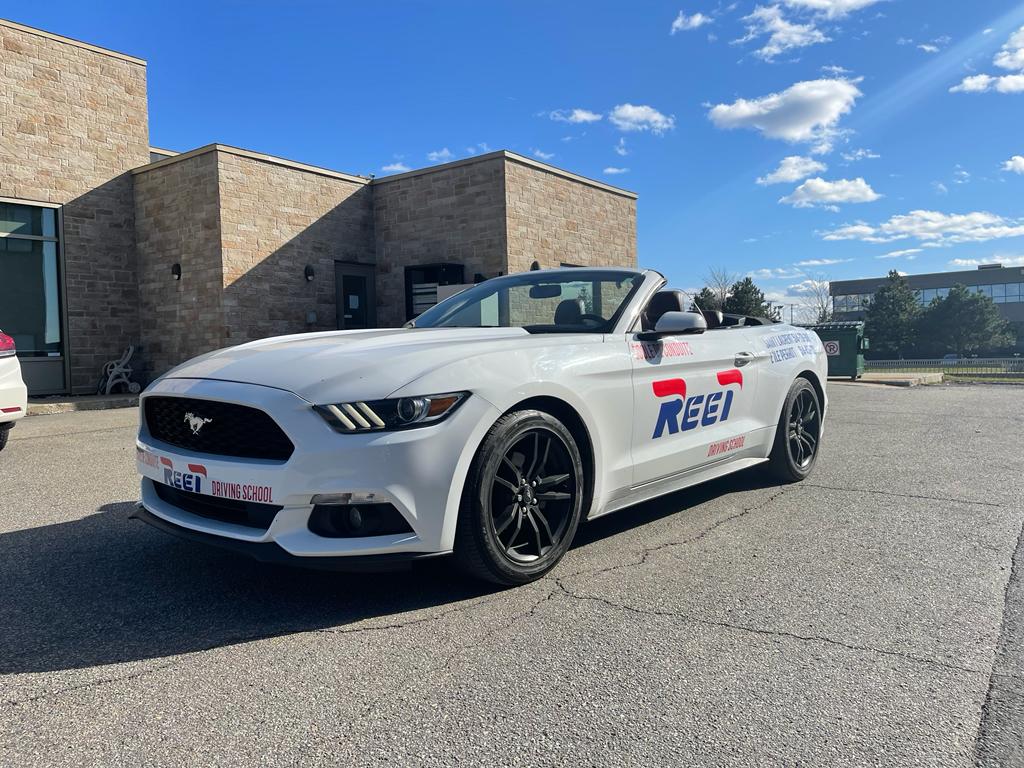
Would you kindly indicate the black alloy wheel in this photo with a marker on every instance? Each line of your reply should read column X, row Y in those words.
column 523, row 499
column 804, row 428
column 798, row 436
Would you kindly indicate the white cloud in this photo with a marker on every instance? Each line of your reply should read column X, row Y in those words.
column 1015, row 164
column 683, row 22
column 613, row 171
column 821, row 262
column 576, row 115
column 1009, row 261
column 928, row 48
column 440, row 155
column 792, row 168
column 983, row 83
column 543, row 155
column 960, row 176
column 832, row 9
column 940, row 188
column 620, row 148
column 1010, row 57
column 933, row 228
column 396, row 167
column 808, row 111
column 807, row 287
column 630, row 117
column 481, row 147
column 818, row 192
column 776, row 273
column 783, row 35
column 906, row 253
column 859, row 154
column 835, row 71
column 987, row 31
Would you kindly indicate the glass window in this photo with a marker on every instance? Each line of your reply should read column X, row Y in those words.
column 942, row 292
column 1013, row 291
column 30, row 310
column 986, row 289
column 576, row 301
column 998, row 291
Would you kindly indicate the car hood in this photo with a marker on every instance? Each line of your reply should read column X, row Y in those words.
column 338, row 365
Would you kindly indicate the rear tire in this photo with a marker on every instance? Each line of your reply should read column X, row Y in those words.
column 798, row 435
column 4, row 430
column 523, row 500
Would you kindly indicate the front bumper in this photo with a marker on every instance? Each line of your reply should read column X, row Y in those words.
column 419, row 471
column 270, row 552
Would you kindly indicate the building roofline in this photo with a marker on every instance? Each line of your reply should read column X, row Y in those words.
column 976, row 277
column 71, row 41
column 504, row 153
column 250, row 155
column 162, row 151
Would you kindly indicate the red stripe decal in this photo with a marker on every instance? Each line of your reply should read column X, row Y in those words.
column 668, row 387
column 732, row 376
column 166, row 462
column 198, row 468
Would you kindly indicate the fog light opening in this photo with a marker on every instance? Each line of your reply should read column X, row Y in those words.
column 351, row 521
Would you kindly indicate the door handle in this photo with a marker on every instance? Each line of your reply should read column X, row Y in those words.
column 742, row 358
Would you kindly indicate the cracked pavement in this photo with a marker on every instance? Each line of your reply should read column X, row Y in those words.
column 872, row 615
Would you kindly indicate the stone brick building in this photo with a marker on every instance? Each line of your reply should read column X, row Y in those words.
column 107, row 242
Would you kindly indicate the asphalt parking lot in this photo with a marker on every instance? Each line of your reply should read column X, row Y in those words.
column 873, row 615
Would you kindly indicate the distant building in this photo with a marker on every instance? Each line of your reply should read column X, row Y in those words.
column 106, row 241
column 1004, row 285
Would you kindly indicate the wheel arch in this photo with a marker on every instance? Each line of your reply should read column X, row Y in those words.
column 815, row 382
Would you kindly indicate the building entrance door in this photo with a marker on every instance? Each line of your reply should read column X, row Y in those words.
column 354, row 296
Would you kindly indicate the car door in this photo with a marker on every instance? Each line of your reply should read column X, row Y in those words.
column 694, row 400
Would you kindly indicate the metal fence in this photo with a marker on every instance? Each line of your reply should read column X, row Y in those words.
column 968, row 365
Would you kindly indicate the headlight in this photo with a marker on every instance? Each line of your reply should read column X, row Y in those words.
column 396, row 413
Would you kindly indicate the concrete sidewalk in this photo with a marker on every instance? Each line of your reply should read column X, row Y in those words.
column 47, row 406
column 901, row 379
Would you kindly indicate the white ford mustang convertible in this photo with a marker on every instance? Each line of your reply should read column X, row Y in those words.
column 488, row 428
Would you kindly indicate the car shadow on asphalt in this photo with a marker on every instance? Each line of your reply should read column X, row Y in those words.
column 105, row 589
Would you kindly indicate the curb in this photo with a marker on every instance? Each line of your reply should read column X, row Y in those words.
column 82, row 404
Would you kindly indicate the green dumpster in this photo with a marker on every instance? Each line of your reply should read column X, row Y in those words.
column 844, row 345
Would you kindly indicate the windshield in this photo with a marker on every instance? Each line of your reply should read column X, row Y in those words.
column 571, row 301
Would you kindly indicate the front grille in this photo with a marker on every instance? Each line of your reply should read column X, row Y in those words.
column 247, row 513
column 225, row 429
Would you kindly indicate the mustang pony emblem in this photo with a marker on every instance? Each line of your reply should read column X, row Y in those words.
column 196, row 423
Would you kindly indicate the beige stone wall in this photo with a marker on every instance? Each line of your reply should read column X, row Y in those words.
column 555, row 220
column 73, row 121
column 454, row 214
column 274, row 221
column 177, row 214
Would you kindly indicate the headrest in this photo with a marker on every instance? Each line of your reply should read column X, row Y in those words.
column 568, row 312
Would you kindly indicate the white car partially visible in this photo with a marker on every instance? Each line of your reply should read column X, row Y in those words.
column 13, row 393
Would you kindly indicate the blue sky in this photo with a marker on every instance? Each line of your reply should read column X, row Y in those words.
column 902, row 120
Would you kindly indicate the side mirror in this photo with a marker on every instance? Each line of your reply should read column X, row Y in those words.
column 675, row 324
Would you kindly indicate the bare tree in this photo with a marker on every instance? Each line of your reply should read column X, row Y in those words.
column 719, row 281
column 816, row 302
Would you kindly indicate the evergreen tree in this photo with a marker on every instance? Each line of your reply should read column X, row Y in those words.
column 745, row 298
column 707, row 299
column 964, row 322
column 891, row 319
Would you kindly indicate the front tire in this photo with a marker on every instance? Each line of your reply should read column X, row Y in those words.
column 798, row 435
column 523, row 500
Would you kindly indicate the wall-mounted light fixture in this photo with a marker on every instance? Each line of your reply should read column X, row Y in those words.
column 309, row 273
column 535, row 266
column 478, row 278
column 176, row 271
